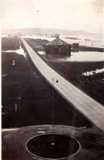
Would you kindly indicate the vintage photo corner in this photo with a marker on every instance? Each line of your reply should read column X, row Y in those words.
column 52, row 79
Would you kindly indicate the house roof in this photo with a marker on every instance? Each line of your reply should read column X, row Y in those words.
column 56, row 41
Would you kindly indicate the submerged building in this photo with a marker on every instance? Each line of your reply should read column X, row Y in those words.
column 58, row 47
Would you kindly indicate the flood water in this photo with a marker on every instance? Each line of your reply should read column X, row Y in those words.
column 28, row 99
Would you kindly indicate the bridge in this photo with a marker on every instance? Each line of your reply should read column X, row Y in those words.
column 86, row 105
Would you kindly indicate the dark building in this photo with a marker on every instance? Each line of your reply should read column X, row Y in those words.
column 75, row 47
column 58, row 47
column 10, row 43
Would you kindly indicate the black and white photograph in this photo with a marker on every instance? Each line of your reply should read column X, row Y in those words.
column 52, row 79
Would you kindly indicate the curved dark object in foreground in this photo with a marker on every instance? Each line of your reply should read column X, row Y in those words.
column 52, row 146
column 41, row 141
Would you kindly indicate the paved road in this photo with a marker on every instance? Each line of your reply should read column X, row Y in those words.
column 82, row 102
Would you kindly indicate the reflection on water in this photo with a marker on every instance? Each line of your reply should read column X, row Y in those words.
column 80, row 57
column 86, row 56
column 90, row 73
column 18, row 51
column 41, row 52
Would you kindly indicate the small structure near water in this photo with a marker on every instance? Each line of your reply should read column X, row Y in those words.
column 75, row 47
column 58, row 47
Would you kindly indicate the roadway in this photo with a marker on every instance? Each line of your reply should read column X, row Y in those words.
column 90, row 108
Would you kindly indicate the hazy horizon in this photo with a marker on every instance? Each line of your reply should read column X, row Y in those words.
column 84, row 15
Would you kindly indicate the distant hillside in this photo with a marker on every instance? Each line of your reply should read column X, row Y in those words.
column 46, row 31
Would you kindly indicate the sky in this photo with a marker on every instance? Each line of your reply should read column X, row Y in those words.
column 87, row 15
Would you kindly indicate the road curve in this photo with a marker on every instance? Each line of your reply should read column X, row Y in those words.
column 90, row 108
